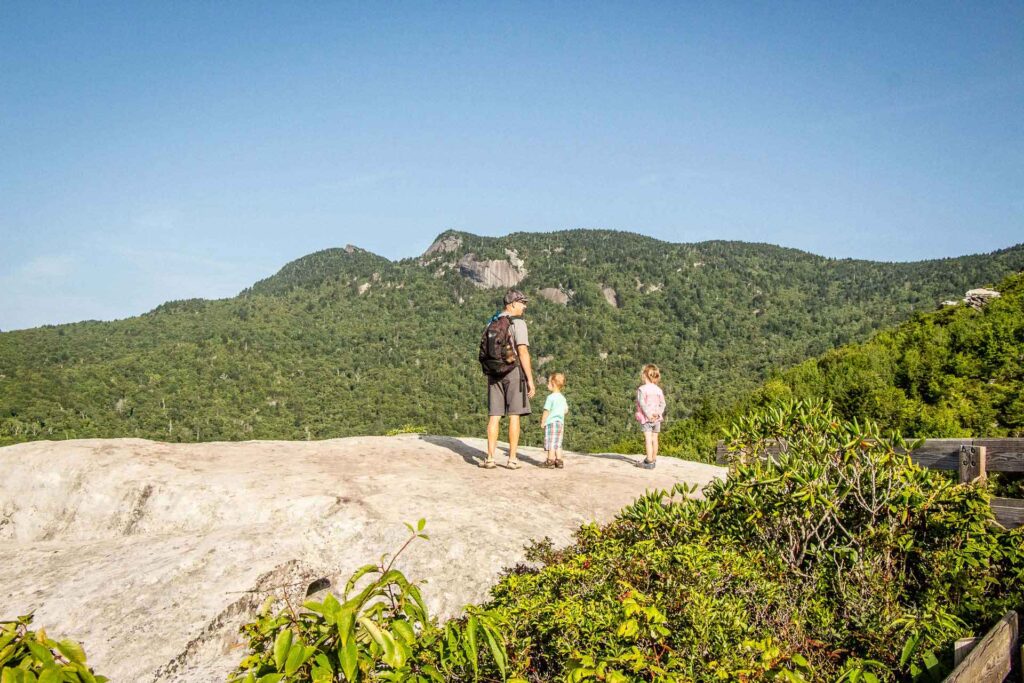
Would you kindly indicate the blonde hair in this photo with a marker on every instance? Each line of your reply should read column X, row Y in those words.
column 651, row 373
column 557, row 379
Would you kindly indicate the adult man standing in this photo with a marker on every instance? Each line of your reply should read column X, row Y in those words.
column 508, row 392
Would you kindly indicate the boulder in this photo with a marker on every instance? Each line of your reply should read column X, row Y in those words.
column 611, row 296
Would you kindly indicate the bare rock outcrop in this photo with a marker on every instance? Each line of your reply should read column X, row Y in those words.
column 445, row 244
column 611, row 296
column 493, row 273
column 554, row 295
column 151, row 554
column 977, row 298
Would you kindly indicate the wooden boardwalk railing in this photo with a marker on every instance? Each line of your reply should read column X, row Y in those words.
column 972, row 458
column 992, row 657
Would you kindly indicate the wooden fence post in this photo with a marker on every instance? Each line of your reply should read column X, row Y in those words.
column 972, row 463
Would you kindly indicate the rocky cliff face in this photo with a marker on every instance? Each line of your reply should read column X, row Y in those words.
column 153, row 554
column 493, row 273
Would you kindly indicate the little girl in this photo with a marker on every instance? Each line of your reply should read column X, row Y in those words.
column 553, row 421
column 650, row 411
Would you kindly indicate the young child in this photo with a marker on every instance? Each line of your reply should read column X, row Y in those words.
column 650, row 411
column 553, row 421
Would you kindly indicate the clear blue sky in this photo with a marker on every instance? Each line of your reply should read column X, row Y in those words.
column 156, row 151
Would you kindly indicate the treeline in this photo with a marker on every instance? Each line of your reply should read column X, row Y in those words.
column 344, row 342
column 954, row 372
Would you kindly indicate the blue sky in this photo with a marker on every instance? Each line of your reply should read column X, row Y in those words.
column 154, row 151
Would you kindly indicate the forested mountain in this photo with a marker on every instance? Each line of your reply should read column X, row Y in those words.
column 345, row 342
column 958, row 371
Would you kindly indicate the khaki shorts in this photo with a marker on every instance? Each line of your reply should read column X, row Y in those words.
column 507, row 396
column 654, row 427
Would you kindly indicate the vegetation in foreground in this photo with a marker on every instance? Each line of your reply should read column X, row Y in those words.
column 839, row 561
column 28, row 656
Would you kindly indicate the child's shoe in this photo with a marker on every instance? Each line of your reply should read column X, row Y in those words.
column 560, row 464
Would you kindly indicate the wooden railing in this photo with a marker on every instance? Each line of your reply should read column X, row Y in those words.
column 972, row 458
column 988, row 659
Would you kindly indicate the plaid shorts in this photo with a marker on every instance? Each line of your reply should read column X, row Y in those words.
column 553, row 435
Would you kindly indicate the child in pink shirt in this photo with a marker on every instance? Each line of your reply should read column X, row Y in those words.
column 650, row 412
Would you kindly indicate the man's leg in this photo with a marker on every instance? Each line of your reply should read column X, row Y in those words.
column 513, row 437
column 493, row 426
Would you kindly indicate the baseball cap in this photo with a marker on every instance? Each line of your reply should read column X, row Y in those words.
column 514, row 295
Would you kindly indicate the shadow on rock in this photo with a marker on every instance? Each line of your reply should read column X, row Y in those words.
column 466, row 452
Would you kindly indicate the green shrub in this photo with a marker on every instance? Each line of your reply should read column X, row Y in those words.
column 32, row 657
column 839, row 559
column 379, row 630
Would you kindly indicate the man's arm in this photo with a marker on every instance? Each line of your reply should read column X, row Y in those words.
column 524, row 360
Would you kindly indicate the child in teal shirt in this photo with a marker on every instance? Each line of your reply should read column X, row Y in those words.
column 553, row 421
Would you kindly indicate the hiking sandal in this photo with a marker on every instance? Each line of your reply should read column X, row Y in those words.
column 560, row 464
column 513, row 465
column 549, row 464
column 487, row 464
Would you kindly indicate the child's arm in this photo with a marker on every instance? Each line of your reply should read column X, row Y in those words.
column 642, row 405
column 544, row 418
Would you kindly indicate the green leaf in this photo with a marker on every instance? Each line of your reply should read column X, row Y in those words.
column 270, row 678
column 497, row 651
column 72, row 650
column 348, row 655
column 297, row 656
column 909, row 647
column 282, row 644
column 469, row 644
column 403, row 629
column 40, row 652
column 419, row 525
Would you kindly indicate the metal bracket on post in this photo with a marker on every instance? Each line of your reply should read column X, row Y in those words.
column 972, row 463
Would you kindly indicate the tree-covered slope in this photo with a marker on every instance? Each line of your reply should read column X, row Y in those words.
column 344, row 342
column 958, row 371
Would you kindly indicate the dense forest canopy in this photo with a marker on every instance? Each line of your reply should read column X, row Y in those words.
column 344, row 342
column 958, row 371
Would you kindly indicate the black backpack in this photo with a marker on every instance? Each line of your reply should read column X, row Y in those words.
column 497, row 348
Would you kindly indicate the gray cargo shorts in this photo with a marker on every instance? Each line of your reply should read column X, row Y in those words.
column 508, row 396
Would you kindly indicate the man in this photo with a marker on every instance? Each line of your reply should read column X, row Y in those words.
column 510, row 394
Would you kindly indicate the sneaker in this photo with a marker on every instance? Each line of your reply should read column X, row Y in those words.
column 648, row 464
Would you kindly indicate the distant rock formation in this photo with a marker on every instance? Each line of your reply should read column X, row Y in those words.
column 611, row 296
column 494, row 273
column 443, row 245
column 554, row 295
column 977, row 298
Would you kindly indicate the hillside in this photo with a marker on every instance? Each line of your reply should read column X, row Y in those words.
column 958, row 371
column 344, row 342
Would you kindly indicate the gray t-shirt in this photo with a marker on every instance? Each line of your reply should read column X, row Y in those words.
column 519, row 331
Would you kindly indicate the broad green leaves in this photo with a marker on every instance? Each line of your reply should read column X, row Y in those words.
column 31, row 657
column 377, row 630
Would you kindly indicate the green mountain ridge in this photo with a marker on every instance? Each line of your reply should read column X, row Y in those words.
column 344, row 342
column 954, row 372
